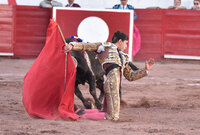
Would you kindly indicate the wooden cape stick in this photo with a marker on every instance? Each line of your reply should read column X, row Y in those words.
column 65, row 57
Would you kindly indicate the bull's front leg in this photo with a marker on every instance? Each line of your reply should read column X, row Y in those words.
column 92, row 88
column 78, row 93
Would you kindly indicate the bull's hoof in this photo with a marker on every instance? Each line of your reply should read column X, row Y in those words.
column 88, row 105
column 75, row 107
column 98, row 105
column 80, row 112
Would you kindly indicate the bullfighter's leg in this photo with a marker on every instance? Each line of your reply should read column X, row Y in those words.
column 112, row 99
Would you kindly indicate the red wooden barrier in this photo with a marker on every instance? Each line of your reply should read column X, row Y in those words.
column 30, row 30
column 177, row 32
column 171, row 32
column 182, row 32
column 6, row 30
column 150, row 24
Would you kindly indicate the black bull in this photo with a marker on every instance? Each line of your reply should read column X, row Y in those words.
column 85, row 75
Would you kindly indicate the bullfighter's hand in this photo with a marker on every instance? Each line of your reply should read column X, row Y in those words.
column 68, row 47
column 149, row 63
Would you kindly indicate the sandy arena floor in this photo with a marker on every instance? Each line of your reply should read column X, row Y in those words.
column 167, row 102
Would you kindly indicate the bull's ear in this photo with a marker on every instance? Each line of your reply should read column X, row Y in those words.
column 68, row 40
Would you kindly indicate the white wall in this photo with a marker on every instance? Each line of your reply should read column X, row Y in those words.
column 109, row 3
column 3, row 1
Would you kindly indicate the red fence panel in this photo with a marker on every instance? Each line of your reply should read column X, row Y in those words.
column 31, row 24
column 182, row 32
column 150, row 24
column 6, row 30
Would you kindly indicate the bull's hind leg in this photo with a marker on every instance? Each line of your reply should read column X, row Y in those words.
column 99, row 84
column 78, row 93
column 92, row 88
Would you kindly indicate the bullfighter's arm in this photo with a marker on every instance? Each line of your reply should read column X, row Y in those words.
column 132, row 75
column 81, row 46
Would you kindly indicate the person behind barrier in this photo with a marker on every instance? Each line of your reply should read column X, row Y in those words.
column 177, row 5
column 125, row 6
column 72, row 4
column 196, row 5
column 50, row 4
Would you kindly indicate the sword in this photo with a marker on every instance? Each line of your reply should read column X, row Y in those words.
column 65, row 57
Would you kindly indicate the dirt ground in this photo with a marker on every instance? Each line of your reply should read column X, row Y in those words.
column 167, row 102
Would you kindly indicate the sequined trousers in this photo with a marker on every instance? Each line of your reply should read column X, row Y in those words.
column 112, row 99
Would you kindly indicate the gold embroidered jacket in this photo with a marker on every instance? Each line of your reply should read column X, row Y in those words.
column 107, row 53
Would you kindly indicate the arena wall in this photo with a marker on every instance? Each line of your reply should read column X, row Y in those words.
column 6, row 30
column 163, row 31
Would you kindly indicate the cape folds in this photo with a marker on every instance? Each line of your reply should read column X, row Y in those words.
column 43, row 90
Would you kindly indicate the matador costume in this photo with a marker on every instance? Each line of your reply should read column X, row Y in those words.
column 115, row 63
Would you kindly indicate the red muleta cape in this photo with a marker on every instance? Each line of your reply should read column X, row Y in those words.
column 43, row 90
